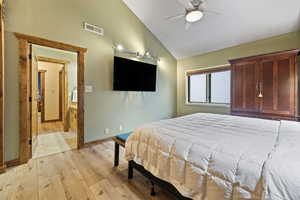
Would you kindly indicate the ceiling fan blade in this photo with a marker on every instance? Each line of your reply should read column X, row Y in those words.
column 175, row 17
column 196, row 3
column 191, row 6
column 187, row 26
column 186, row 3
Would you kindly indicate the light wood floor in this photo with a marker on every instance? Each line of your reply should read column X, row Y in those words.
column 85, row 174
column 52, row 143
column 52, row 139
column 50, row 127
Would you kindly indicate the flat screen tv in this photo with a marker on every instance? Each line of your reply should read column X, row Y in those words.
column 130, row 75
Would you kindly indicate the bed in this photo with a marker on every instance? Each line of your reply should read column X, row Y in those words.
column 213, row 157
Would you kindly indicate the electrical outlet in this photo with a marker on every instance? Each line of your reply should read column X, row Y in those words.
column 121, row 128
column 106, row 131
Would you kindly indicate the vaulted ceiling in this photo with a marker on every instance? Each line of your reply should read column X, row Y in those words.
column 238, row 21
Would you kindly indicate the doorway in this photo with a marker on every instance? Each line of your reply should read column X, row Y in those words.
column 33, row 90
column 53, row 82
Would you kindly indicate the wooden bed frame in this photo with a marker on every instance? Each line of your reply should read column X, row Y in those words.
column 154, row 180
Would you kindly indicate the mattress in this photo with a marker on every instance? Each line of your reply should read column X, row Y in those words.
column 209, row 156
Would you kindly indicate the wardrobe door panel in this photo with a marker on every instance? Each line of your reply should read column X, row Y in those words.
column 278, row 86
column 267, row 86
column 286, row 86
column 250, row 87
column 244, row 84
column 237, row 91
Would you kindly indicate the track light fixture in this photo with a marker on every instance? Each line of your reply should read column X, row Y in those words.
column 120, row 48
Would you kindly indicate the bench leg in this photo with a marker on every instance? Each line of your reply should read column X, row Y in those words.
column 130, row 170
column 152, row 189
column 117, row 154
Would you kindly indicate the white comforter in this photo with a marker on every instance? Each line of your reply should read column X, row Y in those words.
column 217, row 156
column 282, row 174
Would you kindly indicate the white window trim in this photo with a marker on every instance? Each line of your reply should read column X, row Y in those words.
column 187, row 103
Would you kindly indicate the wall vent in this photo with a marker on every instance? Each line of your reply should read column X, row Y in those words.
column 93, row 28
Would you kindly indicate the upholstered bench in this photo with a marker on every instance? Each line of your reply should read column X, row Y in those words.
column 119, row 140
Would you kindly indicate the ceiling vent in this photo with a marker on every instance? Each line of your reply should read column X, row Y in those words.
column 94, row 29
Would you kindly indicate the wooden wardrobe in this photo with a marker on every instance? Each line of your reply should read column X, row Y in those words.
column 266, row 86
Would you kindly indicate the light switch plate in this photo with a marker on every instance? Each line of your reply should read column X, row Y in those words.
column 88, row 88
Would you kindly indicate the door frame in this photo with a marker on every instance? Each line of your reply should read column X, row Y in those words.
column 24, row 61
column 64, row 104
column 61, row 95
column 43, row 80
column 2, row 92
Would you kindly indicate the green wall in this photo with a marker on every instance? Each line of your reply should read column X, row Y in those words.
column 221, row 57
column 61, row 20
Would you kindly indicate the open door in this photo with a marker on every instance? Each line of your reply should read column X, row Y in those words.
column 34, row 101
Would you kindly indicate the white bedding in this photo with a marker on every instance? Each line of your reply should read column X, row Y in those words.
column 283, row 169
column 216, row 156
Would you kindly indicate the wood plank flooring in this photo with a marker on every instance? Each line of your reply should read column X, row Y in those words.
column 52, row 143
column 50, row 127
column 85, row 174
column 52, row 139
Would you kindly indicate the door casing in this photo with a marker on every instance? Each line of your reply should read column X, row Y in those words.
column 63, row 91
column 24, row 85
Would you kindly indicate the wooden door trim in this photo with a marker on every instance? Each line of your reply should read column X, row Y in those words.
column 61, row 92
column 2, row 94
column 50, row 43
column 52, row 60
column 24, row 41
column 63, row 116
column 297, row 85
column 43, row 81
column 66, row 83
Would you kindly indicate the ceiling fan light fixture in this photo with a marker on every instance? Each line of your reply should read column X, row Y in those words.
column 193, row 16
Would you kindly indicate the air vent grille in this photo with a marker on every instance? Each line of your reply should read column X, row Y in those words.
column 93, row 28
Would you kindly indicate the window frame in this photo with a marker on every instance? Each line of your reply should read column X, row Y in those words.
column 189, row 91
column 208, row 73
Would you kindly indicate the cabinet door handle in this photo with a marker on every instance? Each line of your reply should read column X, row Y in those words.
column 260, row 95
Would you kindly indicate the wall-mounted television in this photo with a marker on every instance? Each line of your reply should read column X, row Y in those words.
column 131, row 75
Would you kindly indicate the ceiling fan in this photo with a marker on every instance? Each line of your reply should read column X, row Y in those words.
column 194, row 12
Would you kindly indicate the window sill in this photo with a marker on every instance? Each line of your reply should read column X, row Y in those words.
column 208, row 105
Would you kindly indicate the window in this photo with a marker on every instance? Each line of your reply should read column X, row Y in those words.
column 220, row 87
column 209, row 86
column 198, row 88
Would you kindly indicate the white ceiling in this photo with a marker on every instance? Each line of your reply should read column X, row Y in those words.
column 239, row 21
